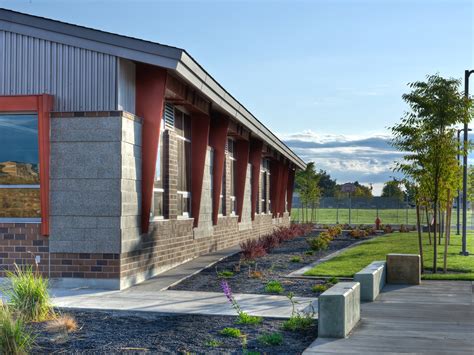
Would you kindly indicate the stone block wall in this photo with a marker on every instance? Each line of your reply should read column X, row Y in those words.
column 95, row 236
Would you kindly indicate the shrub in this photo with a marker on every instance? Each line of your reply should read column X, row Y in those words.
column 318, row 244
column 333, row 280
column 14, row 336
column 231, row 332
column 320, row 288
column 273, row 287
column 245, row 318
column 256, row 274
column 29, row 294
column 213, row 343
column 335, row 231
column 404, row 229
column 358, row 233
column 295, row 259
column 64, row 322
column 252, row 249
column 269, row 241
column 298, row 322
column 309, row 252
column 326, row 236
column 225, row 274
column 273, row 339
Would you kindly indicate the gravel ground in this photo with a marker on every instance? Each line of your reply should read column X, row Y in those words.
column 273, row 266
column 103, row 332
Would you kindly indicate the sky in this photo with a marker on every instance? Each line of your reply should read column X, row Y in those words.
column 326, row 76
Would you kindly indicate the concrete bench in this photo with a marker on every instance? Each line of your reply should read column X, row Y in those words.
column 339, row 310
column 403, row 269
column 372, row 280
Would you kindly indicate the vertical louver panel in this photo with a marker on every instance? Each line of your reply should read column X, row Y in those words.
column 169, row 116
column 79, row 79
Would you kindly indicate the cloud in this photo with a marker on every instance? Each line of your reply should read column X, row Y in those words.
column 365, row 158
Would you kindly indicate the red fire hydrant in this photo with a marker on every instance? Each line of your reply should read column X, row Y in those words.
column 377, row 223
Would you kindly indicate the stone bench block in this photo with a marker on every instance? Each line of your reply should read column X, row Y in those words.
column 339, row 310
column 403, row 269
column 372, row 280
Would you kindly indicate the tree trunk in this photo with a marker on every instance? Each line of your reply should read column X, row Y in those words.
column 448, row 232
column 440, row 229
column 420, row 239
column 435, row 244
column 428, row 224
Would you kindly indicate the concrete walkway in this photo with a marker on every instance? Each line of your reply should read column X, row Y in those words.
column 153, row 295
column 436, row 317
column 184, row 302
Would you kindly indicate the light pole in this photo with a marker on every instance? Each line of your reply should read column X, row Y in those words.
column 458, row 198
column 464, row 251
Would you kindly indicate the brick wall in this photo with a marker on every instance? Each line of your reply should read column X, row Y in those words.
column 20, row 243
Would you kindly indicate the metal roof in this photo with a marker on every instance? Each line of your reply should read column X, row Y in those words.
column 172, row 58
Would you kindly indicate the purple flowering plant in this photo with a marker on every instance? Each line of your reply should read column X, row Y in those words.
column 243, row 318
column 228, row 293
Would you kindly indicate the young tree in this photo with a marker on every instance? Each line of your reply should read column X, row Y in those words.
column 308, row 190
column 427, row 136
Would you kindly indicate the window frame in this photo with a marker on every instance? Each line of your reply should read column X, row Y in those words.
column 184, row 194
column 41, row 105
column 159, row 160
column 233, row 163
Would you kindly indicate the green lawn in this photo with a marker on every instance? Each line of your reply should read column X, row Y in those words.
column 367, row 216
column 352, row 260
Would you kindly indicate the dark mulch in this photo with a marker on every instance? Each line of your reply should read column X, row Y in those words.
column 273, row 266
column 103, row 332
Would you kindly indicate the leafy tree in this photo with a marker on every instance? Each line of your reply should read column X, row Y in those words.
column 326, row 184
column 362, row 190
column 392, row 189
column 427, row 136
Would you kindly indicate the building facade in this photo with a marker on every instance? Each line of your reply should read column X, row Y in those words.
column 123, row 158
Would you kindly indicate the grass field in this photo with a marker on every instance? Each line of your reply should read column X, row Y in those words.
column 367, row 216
column 354, row 259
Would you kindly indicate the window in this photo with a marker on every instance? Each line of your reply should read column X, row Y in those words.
column 19, row 166
column 264, row 177
column 233, row 168
column 221, row 210
column 183, row 134
column 158, row 187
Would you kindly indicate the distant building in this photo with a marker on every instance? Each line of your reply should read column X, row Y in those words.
column 145, row 161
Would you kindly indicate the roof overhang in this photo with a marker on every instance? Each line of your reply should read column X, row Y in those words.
column 171, row 58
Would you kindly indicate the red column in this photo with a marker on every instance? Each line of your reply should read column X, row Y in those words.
column 199, row 141
column 255, row 157
column 289, row 188
column 242, row 152
column 150, row 99
column 45, row 105
column 283, row 185
column 217, row 140
column 275, row 182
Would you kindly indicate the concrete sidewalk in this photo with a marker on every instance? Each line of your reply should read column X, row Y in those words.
column 184, row 302
column 436, row 317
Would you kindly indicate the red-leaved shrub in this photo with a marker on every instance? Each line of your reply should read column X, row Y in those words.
column 252, row 249
column 256, row 248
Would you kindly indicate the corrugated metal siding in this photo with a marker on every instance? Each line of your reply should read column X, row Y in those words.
column 80, row 80
column 126, row 85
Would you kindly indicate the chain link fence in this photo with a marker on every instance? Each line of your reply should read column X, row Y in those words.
column 363, row 210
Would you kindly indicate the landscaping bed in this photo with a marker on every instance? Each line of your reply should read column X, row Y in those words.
column 138, row 332
column 253, row 276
